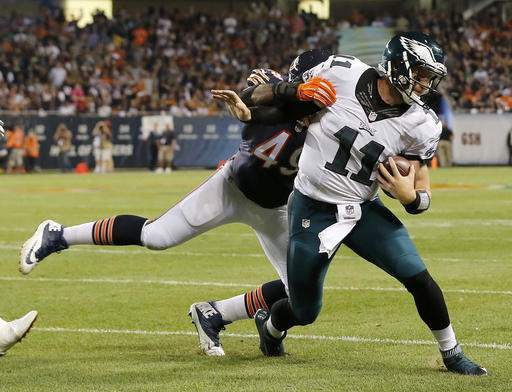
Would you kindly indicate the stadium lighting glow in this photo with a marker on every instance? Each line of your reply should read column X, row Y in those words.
column 320, row 8
column 83, row 10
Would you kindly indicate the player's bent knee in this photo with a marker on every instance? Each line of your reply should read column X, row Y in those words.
column 306, row 315
column 421, row 282
column 154, row 238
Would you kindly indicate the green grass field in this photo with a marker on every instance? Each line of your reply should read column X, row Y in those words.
column 115, row 319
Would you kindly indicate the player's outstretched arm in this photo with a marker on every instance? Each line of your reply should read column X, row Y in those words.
column 258, row 114
column 317, row 90
column 235, row 105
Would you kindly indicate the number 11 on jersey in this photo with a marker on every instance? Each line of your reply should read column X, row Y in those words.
column 371, row 153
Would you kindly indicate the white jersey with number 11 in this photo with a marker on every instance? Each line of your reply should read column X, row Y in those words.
column 348, row 139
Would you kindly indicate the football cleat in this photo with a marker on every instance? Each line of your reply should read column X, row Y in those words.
column 209, row 323
column 47, row 239
column 269, row 345
column 456, row 362
column 12, row 332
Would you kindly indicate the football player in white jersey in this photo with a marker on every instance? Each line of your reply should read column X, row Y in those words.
column 377, row 115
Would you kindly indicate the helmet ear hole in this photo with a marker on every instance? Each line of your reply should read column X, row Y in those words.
column 403, row 80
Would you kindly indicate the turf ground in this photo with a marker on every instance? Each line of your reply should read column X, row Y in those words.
column 114, row 319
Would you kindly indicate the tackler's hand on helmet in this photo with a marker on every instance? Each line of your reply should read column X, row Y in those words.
column 414, row 64
column 263, row 76
column 318, row 90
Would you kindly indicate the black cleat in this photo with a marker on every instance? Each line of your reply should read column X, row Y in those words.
column 269, row 345
column 456, row 362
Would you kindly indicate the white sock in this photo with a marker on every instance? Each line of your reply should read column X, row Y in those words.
column 79, row 234
column 273, row 330
column 232, row 309
column 445, row 338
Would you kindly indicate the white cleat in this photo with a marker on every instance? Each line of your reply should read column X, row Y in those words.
column 209, row 323
column 46, row 240
column 12, row 332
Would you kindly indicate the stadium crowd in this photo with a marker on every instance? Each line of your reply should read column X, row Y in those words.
column 163, row 59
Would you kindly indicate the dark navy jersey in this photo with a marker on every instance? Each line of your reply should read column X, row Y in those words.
column 266, row 163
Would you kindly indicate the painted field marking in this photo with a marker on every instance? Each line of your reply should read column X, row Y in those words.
column 164, row 282
column 350, row 339
column 173, row 253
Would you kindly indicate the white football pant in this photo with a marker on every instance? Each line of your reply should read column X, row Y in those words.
column 216, row 202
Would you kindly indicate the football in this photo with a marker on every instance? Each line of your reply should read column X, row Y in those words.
column 402, row 164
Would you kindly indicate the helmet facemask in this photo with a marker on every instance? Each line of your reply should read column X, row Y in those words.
column 405, row 77
column 414, row 64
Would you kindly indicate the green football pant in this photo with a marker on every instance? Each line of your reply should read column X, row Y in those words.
column 378, row 237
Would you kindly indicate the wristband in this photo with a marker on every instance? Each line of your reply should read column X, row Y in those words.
column 420, row 204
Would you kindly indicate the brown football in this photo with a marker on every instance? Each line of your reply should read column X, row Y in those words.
column 402, row 164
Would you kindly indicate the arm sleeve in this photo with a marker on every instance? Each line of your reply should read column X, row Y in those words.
column 246, row 96
column 273, row 115
column 426, row 137
column 270, row 94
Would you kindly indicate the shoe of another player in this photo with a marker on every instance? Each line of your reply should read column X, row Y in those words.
column 46, row 240
column 269, row 345
column 209, row 323
column 12, row 332
column 456, row 362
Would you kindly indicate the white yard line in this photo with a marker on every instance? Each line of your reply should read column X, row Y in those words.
column 164, row 282
column 350, row 339
column 173, row 253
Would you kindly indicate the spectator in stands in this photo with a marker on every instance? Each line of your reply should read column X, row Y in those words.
column 152, row 143
column 16, row 146
column 166, row 146
column 4, row 153
column 444, row 148
column 63, row 140
column 103, row 134
column 509, row 145
column 31, row 151
column 96, row 143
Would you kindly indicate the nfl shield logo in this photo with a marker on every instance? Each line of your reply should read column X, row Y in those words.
column 372, row 116
column 349, row 210
column 306, row 223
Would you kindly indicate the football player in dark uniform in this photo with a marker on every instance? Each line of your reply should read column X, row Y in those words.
column 252, row 188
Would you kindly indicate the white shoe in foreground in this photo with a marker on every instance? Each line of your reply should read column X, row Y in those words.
column 209, row 323
column 12, row 332
column 47, row 239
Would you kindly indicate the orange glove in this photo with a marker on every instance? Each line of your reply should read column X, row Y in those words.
column 319, row 90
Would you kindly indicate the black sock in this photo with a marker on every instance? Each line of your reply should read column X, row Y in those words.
column 264, row 296
column 118, row 230
column 282, row 315
column 429, row 300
